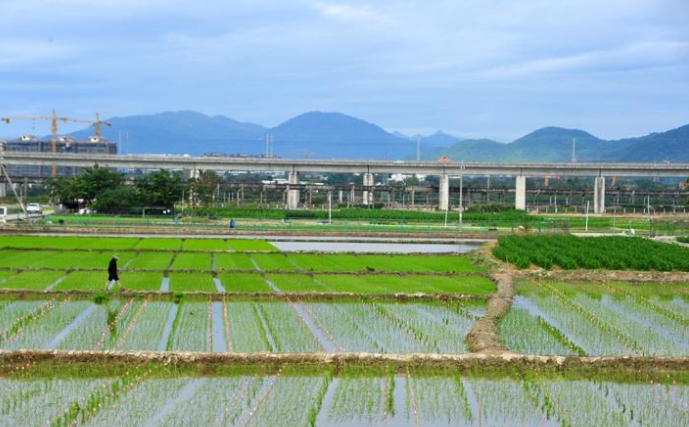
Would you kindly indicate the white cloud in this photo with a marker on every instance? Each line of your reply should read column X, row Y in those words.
column 346, row 11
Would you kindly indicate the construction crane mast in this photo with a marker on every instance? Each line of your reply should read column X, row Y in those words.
column 54, row 119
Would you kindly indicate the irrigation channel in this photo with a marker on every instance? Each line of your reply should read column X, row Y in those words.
column 416, row 338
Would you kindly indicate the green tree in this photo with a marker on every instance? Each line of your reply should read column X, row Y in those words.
column 120, row 200
column 91, row 182
column 160, row 188
column 203, row 188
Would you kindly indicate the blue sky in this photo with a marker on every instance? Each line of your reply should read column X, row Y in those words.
column 488, row 68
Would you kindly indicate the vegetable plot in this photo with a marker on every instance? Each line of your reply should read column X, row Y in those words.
column 570, row 252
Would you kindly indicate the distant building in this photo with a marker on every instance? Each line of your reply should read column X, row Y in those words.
column 65, row 144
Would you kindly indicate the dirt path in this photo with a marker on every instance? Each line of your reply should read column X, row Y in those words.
column 483, row 336
column 606, row 276
column 206, row 361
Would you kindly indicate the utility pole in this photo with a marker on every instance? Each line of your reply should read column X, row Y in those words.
column 574, row 150
column 461, row 195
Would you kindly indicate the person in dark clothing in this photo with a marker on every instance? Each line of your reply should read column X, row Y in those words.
column 112, row 272
column 232, row 224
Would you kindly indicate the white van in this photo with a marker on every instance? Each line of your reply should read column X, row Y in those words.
column 3, row 215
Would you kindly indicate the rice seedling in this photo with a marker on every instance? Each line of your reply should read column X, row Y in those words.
column 151, row 261
column 242, row 282
column 159, row 243
column 187, row 261
column 141, row 281
column 34, row 280
column 83, row 281
column 190, row 282
column 206, row 245
column 251, row 245
column 235, row 261
column 192, row 329
column 273, row 262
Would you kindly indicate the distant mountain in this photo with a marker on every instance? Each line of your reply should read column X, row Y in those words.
column 553, row 144
column 672, row 145
column 335, row 135
column 183, row 132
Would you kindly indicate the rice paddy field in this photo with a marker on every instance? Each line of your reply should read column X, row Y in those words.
column 237, row 325
column 598, row 319
column 249, row 337
column 142, row 396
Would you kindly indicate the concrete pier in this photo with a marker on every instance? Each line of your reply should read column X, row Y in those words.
column 3, row 190
column 369, row 181
column 293, row 195
column 599, row 195
column 520, row 193
column 444, row 193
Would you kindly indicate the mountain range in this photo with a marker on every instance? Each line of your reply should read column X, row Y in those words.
column 335, row 135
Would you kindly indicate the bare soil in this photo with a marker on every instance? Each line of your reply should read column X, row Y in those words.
column 483, row 336
column 502, row 360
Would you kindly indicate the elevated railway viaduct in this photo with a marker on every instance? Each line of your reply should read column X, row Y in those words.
column 293, row 167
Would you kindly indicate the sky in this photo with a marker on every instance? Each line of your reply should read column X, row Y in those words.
column 475, row 68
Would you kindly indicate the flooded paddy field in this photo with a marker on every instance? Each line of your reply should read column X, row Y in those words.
column 222, row 332
column 238, row 325
column 598, row 319
column 294, row 396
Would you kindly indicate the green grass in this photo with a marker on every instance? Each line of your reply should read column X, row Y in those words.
column 233, row 262
column 273, row 262
column 683, row 240
column 382, row 284
column 244, row 282
column 151, row 261
column 185, row 261
column 393, row 263
column 188, row 282
column 34, row 280
column 83, row 281
column 141, row 281
column 206, row 245
column 252, row 245
column 160, row 243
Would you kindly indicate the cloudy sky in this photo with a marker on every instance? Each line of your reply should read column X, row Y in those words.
column 489, row 68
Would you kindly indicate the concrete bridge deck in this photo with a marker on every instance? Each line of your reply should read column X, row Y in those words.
column 366, row 167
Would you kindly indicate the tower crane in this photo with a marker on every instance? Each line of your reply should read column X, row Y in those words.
column 54, row 119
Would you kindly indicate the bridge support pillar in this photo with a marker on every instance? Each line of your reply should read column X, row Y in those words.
column 293, row 195
column 340, row 197
column 368, row 182
column 520, row 193
column 444, row 193
column 3, row 190
column 599, row 195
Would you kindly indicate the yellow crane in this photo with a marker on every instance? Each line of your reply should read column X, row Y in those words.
column 54, row 119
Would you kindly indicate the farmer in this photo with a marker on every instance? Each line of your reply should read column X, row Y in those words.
column 112, row 272
column 232, row 224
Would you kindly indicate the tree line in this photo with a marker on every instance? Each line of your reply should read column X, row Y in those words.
column 109, row 191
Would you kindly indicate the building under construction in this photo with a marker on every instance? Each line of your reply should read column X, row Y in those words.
column 64, row 144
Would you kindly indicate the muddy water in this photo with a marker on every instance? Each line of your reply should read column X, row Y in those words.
column 372, row 247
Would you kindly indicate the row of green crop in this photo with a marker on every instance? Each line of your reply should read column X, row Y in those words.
column 353, row 214
column 72, row 260
column 571, row 252
column 125, row 243
column 248, row 282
